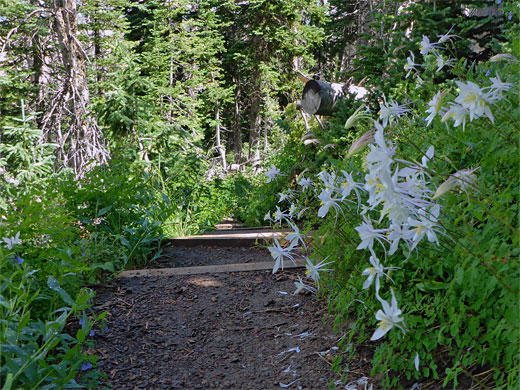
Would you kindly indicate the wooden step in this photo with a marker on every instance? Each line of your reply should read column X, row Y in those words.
column 210, row 269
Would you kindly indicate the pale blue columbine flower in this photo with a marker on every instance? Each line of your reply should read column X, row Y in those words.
column 447, row 37
column 279, row 215
column 272, row 173
column 329, row 180
column 11, row 242
column 283, row 196
column 389, row 111
column 278, row 253
column 388, row 317
column 426, row 46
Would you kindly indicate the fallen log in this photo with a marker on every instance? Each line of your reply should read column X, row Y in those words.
column 321, row 98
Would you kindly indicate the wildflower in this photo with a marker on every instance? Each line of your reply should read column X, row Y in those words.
column 410, row 64
column 358, row 114
column 327, row 201
column 510, row 15
column 380, row 155
column 300, row 286
column 272, row 173
column 305, row 183
column 375, row 272
column 295, row 236
column 279, row 215
column 283, row 196
column 19, row 260
column 497, row 87
column 388, row 318
column 92, row 333
column 11, row 242
column 368, row 234
column 463, row 178
column 350, row 185
column 329, row 180
column 388, row 111
column 416, row 361
column 503, row 57
column 360, row 144
column 474, row 99
column 81, row 321
column 313, row 271
column 435, row 106
column 446, row 37
column 441, row 62
column 426, row 46
column 456, row 112
column 86, row 366
column 426, row 225
column 278, row 253
column 292, row 210
column 268, row 216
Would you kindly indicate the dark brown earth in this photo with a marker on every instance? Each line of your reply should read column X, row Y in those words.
column 241, row 330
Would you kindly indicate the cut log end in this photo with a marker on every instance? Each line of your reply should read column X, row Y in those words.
column 320, row 97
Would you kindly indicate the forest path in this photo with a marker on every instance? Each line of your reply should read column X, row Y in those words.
column 214, row 330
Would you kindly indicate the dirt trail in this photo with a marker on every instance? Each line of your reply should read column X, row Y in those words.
column 238, row 330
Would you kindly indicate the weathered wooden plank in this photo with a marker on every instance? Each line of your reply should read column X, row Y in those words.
column 209, row 269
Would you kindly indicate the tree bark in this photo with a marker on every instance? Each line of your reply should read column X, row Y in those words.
column 254, row 118
column 236, row 136
column 320, row 97
column 82, row 141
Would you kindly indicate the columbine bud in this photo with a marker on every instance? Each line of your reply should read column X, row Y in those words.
column 359, row 144
column 503, row 57
column 358, row 114
column 463, row 179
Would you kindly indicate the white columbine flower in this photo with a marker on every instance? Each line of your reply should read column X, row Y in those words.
column 272, row 173
column 305, row 183
column 388, row 318
column 11, row 242
column 300, row 286
column 327, row 201
column 497, row 87
column 279, row 215
column 457, row 113
column 426, row 225
column 313, row 271
column 435, row 106
column 380, row 156
column 368, row 234
column 474, row 99
column 426, row 46
column 375, row 272
column 350, row 185
column 283, row 196
column 295, row 236
column 410, row 65
column 268, row 217
column 278, row 253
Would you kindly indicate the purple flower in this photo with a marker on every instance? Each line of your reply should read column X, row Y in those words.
column 487, row 73
column 81, row 321
column 19, row 260
column 91, row 334
column 86, row 366
column 510, row 15
column 106, row 329
column 499, row 1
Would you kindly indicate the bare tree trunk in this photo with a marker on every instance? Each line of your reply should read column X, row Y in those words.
column 82, row 141
column 236, row 137
column 221, row 149
column 255, row 118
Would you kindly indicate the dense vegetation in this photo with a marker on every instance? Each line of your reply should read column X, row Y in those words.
column 122, row 122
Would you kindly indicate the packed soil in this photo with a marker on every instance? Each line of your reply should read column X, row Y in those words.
column 242, row 330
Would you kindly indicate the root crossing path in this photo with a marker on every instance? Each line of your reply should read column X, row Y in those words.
column 214, row 325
